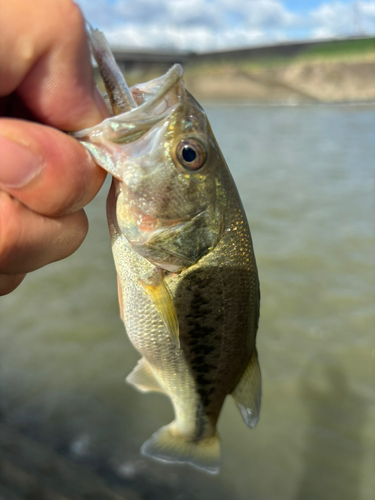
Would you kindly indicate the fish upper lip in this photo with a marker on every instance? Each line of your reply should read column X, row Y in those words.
column 168, row 81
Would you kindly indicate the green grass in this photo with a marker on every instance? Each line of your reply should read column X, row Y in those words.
column 339, row 51
column 350, row 51
column 340, row 48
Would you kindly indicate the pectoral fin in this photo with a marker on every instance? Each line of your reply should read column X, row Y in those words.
column 143, row 378
column 159, row 293
column 247, row 393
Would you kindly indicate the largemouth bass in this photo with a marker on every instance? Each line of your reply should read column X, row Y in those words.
column 187, row 277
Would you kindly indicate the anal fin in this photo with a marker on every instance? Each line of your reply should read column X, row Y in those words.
column 247, row 393
column 143, row 378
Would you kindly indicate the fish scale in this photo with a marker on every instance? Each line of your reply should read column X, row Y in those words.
column 188, row 282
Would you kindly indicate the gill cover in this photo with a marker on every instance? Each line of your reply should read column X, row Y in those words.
column 163, row 155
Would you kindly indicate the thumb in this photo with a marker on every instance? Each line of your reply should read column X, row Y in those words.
column 45, row 169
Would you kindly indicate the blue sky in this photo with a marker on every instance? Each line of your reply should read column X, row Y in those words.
column 202, row 25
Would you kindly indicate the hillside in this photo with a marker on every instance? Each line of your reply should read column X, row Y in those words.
column 340, row 72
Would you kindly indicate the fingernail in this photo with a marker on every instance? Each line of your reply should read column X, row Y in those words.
column 18, row 165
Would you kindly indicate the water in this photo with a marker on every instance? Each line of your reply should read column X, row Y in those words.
column 306, row 177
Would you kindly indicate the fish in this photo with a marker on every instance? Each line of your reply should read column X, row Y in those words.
column 187, row 278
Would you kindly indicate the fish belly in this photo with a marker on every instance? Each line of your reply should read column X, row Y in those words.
column 149, row 335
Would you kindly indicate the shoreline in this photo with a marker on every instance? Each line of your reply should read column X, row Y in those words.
column 283, row 104
column 320, row 76
column 314, row 82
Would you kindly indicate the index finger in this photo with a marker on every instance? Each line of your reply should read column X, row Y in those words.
column 45, row 58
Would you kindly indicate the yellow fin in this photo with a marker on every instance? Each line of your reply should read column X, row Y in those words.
column 159, row 293
column 143, row 378
column 167, row 445
column 248, row 391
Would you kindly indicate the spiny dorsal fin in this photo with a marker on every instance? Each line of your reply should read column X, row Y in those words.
column 160, row 295
column 248, row 391
column 143, row 378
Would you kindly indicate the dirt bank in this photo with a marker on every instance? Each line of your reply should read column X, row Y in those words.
column 310, row 81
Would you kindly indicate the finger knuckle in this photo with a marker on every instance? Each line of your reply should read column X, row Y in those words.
column 70, row 235
column 82, row 226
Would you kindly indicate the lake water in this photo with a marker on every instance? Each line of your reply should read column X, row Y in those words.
column 306, row 177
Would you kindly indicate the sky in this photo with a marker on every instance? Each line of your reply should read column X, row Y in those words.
column 205, row 25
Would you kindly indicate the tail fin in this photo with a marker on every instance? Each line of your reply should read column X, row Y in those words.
column 168, row 445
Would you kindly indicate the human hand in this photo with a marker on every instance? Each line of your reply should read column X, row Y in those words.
column 46, row 176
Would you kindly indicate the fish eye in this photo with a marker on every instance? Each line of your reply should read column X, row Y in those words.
column 191, row 154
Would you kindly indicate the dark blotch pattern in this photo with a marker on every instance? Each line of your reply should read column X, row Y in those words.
column 199, row 331
column 215, row 315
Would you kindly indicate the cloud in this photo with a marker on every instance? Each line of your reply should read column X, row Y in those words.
column 202, row 25
column 338, row 19
column 189, row 24
column 198, row 38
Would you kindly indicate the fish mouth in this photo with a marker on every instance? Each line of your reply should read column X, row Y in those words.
column 155, row 100
column 156, row 89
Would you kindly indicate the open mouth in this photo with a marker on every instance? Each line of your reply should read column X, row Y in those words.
column 153, row 100
column 135, row 110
